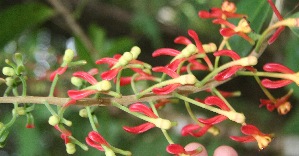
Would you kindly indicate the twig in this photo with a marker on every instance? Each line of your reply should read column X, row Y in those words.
column 74, row 26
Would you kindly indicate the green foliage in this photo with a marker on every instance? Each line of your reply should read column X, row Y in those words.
column 17, row 18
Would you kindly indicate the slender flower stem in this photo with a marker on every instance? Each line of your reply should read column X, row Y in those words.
column 77, row 142
column 120, row 151
column 133, row 86
column 24, row 84
column 51, row 110
column 266, row 91
column 118, row 81
column 93, row 126
column 210, row 108
column 267, row 74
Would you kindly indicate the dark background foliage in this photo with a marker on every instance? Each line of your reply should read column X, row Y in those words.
column 41, row 33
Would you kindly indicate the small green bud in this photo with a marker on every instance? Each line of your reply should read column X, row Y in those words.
column 68, row 56
column 76, row 81
column 19, row 111
column 8, row 71
column 70, row 148
column 53, row 120
column 83, row 113
column 20, row 69
column 135, row 51
column 9, row 81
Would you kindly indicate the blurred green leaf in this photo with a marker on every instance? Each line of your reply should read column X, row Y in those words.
column 257, row 12
column 97, row 35
column 295, row 30
column 18, row 18
column 84, row 54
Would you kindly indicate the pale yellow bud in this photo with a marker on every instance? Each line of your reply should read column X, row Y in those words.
column 135, row 51
column 53, row 120
column 211, row 47
column 70, row 148
column 83, row 113
column 187, row 79
column 68, row 56
column 162, row 123
column 8, row 71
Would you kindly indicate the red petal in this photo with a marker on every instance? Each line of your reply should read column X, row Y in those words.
column 110, row 74
column 194, row 130
column 96, row 137
column 227, row 73
column 243, row 138
column 250, row 130
column 94, row 144
column 166, row 70
column 275, row 84
column 175, row 64
column 275, row 67
column 125, row 80
column 227, row 32
column 165, row 51
column 80, row 94
column 214, row 120
column 175, row 149
column 196, row 65
column 58, row 71
column 194, row 35
column 167, row 89
column 214, row 100
column 139, row 129
column 142, row 108
column 225, row 22
column 85, row 76
column 182, row 40
column 228, row 53
column 107, row 60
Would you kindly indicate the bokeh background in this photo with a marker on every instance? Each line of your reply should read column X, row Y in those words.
column 41, row 31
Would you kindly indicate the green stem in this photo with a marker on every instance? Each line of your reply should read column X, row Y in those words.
column 120, row 151
column 94, row 128
column 118, row 81
column 24, row 85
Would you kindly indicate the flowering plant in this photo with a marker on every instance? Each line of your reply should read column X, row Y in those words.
column 189, row 81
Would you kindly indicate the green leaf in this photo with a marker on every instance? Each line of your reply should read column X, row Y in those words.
column 295, row 30
column 84, row 54
column 17, row 18
column 97, row 35
column 257, row 12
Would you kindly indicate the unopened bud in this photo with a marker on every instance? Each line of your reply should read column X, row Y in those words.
column 9, row 81
column 19, row 111
column 237, row 117
column 70, row 148
column 68, row 56
column 8, row 71
column 189, row 50
column 53, row 120
column 104, row 85
column 211, row 47
column 187, row 79
column 248, row 61
column 135, row 51
column 83, row 113
column 162, row 123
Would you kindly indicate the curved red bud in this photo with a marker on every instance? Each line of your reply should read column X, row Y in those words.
column 166, row 70
column 142, row 108
column 107, row 60
column 80, row 94
column 96, row 137
column 182, row 40
column 227, row 32
column 58, row 71
column 167, row 89
column 165, row 51
column 275, row 67
column 227, row 73
column 139, row 129
column 275, row 84
column 214, row 120
column 110, row 74
column 214, row 100
column 228, row 53
column 85, row 76
column 243, row 138
column 250, row 130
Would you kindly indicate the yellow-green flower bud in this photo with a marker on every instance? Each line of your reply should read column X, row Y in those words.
column 68, row 56
column 237, row 117
column 188, row 50
column 103, row 85
column 70, row 148
column 135, row 51
column 8, row 71
column 211, row 47
column 187, row 79
column 9, row 81
column 76, row 81
column 83, row 113
column 162, row 123
column 53, row 120
column 19, row 59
